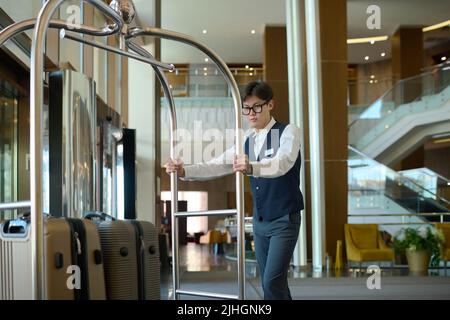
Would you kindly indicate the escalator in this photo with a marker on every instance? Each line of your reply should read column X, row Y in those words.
column 413, row 110
column 378, row 194
column 429, row 180
column 381, row 134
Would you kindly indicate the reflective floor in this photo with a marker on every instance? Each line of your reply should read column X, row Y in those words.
column 202, row 270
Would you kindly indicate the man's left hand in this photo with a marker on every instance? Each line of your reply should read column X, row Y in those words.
column 242, row 164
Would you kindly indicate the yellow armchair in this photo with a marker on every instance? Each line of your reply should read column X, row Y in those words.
column 363, row 243
column 444, row 227
column 212, row 237
column 226, row 237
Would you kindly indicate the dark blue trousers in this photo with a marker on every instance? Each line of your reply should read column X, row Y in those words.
column 274, row 244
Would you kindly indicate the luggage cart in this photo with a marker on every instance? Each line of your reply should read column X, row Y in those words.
column 116, row 11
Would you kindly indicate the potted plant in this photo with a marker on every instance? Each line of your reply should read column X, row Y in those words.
column 420, row 245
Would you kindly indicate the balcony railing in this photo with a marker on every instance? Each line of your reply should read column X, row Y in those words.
column 414, row 95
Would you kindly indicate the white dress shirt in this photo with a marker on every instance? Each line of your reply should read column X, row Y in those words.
column 273, row 167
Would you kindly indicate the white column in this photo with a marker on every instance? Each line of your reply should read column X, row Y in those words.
column 82, row 63
column 315, row 132
column 296, row 70
column 141, row 116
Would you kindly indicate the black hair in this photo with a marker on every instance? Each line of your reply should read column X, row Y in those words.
column 259, row 89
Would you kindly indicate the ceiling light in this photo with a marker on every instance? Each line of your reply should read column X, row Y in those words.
column 441, row 135
column 251, row 73
column 372, row 76
column 444, row 58
column 376, row 81
column 366, row 58
column 442, row 140
column 170, row 86
column 251, row 69
column 205, row 31
column 205, row 74
column 205, row 68
column 436, row 26
column 371, row 81
column 253, row 31
column 383, row 54
column 372, row 42
column 206, row 59
column 365, row 40
column 246, row 66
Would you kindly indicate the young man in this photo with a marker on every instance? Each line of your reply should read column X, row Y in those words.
column 272, row 160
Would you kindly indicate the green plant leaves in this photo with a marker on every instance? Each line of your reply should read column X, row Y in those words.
column 420, row 239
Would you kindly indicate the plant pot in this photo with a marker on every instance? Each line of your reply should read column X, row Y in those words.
column 418, row 261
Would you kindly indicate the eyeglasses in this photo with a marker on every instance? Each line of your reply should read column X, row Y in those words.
column 257, row 108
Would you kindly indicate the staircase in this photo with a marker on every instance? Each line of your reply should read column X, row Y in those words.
column 404, row 117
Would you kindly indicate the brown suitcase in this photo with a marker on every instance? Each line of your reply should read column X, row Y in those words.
column 73, row 242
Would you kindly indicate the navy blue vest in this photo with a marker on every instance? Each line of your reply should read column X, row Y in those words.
column 274, row 197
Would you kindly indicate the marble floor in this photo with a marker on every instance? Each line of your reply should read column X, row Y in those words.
column 202, row 270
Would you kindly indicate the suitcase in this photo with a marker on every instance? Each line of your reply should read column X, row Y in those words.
column 69, row 243
column 15, row 261
column 131, row 258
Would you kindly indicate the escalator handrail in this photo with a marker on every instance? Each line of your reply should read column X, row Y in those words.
column 436, row 69
column 433, row 173
column 401, row 177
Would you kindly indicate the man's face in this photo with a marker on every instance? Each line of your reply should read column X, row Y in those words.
column 257, row 120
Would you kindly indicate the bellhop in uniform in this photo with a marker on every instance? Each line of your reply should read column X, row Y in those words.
column 272, row 160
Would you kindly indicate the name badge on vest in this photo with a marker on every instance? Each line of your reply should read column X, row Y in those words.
column 268, row 152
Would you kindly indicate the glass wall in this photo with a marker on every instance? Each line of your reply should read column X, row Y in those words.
column 100, row 72
column 8, row 145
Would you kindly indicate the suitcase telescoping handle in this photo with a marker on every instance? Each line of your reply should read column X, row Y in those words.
column 94, row 215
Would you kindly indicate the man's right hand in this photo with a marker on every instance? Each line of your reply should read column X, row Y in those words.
column 175, row 166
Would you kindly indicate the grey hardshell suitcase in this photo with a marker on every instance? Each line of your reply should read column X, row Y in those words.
column 131, row 257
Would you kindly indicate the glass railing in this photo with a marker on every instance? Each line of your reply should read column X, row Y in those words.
column 207, row 81
column 363, row 91
column 421, row 93
column 371, row 183
column 430, row 180
column 354, row 112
